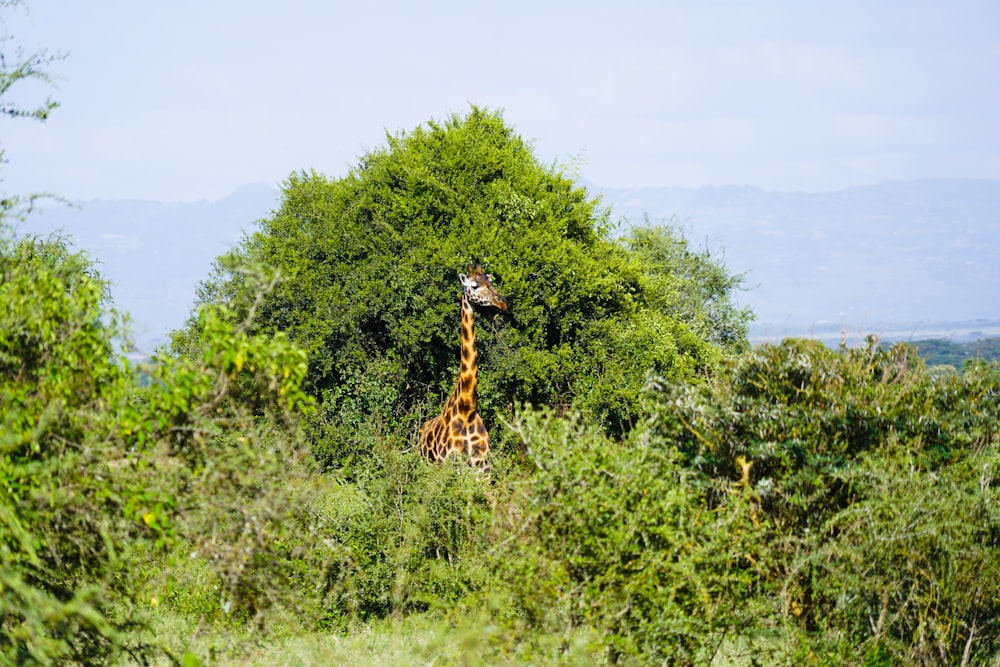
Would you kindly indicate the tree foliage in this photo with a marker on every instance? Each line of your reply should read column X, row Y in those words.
column 17, row 66
column 92, row 465
column 937, row 352
column 370, row 264
column 804, row 506
column 691, row 285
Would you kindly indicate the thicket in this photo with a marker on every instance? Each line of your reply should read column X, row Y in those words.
column 102, row 479
column 662, row 493
column 803, row 506
column 369, row 288
column 800, row 505
column 860, row 465
column 937, row 352
column 777, row 505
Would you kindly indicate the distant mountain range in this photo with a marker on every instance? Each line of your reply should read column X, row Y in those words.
column 155, row 254
column 898, row 258
column 902, row 259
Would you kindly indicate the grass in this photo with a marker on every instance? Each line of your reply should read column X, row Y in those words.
column 421, row 639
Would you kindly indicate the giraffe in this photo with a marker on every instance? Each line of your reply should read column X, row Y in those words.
column 459, row 428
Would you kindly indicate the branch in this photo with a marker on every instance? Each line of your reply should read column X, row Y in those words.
column 968, row 646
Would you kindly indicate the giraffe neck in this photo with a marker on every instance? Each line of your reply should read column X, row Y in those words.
column 463, row 399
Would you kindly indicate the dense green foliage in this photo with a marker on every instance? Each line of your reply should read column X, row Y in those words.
column 803, row 505
column 95, row 468
column 616, row 537
column 674, row 498
column 56, row 379
column 369, row 289
column 858, row 466
column 806, row 505
column 937, row 352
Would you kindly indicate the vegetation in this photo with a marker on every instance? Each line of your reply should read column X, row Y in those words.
column 858, row 469
column 370, row 261
column 105, row 479
column 661, row 492
column 805, row 505
column 98, row 472
column 937, row 352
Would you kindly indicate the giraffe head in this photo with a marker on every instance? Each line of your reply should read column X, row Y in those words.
column 479, row 289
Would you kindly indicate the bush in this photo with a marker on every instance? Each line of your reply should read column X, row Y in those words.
column 615, row 537
column 798, row 413
column 58, row 381
column 370, row 263
column 911, row 570
column 94, row 466
column 411, row 537
column 805, row 505
column 862, row 470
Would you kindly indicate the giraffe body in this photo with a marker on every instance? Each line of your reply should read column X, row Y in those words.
column 459, row 428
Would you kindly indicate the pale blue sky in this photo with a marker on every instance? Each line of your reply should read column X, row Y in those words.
column 183, row 99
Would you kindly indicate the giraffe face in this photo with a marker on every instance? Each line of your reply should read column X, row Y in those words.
column 479, row 289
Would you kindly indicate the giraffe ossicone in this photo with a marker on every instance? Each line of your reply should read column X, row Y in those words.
column 459, row 428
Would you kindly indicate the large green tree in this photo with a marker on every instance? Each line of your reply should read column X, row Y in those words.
column 370, row 263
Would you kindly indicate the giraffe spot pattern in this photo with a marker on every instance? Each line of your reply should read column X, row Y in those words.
column 459, row 428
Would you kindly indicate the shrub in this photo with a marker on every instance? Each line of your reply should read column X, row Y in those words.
column 615, row 537
column 805, row 505
column 370, row 291
column 795, row 415
column 863, row 471
column 410, row 537
column 93, row 464
column 911, row 569
column 58, row 380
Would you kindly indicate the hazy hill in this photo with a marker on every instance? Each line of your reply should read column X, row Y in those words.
column 945, row 352
column 907, row 260
column 154, row 253
column 876, row 257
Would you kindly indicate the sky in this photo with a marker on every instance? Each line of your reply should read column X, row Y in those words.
column 188, row 100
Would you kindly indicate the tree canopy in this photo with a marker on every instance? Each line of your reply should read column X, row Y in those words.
column 369, row 288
